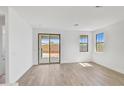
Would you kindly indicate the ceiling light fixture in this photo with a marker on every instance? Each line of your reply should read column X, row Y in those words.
column 98, row 6
column 76, row 24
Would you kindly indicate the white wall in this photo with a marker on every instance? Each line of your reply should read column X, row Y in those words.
column 1, row 63
column 2, row 50
column 5, row 50
column 113, row 55
column 20, row 45
column 70, row 50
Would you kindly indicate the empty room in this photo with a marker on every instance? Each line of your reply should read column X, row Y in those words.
column 62, row 45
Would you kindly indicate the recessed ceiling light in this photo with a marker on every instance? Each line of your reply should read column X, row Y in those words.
column 76, row 24
column 98, row 6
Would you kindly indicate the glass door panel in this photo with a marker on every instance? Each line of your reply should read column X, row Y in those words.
column 43, row 48
column 49, row 48
column 54, row 48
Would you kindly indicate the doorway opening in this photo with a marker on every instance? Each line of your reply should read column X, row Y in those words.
column 48, row 48
column 2, row 50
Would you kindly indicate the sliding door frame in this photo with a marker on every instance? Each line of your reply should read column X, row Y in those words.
column 39, row 34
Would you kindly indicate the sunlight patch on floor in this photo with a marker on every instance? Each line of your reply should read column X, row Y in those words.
column 85, row 64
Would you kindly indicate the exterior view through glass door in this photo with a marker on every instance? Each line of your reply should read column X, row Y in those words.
column 44, row 48
column 48, row 48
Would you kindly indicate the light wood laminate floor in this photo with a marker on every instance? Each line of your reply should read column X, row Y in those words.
column 71, row 74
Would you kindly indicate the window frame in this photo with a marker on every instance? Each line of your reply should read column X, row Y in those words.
column 99, row 43
column 85, row 43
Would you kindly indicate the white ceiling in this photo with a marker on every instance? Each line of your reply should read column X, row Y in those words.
column 89, row 18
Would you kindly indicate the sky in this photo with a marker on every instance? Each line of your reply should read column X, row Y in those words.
column 100, row 37
column 83, row 40
column 46, row 41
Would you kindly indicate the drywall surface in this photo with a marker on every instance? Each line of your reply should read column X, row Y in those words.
column 5, row 40
column 2, row 65
column 70, row 49
column 20, row 45
column 113, row 55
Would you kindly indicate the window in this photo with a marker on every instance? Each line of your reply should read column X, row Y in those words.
column 83, row 43
column 100, row 42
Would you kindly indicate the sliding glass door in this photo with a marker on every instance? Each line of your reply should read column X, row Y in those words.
column 44, row 48
column 54, row 48
column 49, row 48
